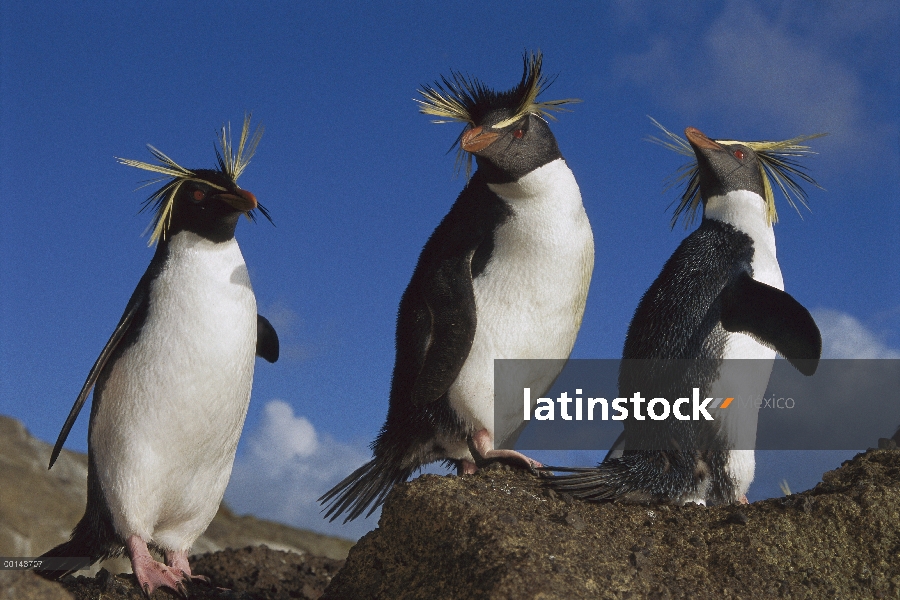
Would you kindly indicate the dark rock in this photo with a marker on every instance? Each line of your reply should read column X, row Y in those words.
column 575, row 520
column 269, row 574
column 25, row 585
column 840, row 539
column 252, row 573
column 737, row 518
column 501, row 534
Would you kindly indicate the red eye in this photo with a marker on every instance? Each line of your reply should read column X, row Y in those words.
column 199, row 195
column 518, row 133
column 739, row 155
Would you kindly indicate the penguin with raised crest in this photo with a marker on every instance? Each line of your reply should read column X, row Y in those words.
column 172, row 386
column 719, row 300
column 504, row 276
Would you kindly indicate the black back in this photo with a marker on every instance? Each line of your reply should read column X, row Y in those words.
column 437, row 318
column 678, row 315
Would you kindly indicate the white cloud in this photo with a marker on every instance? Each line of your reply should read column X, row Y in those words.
column 844, row 336
column 287, row 466
column 286, row 436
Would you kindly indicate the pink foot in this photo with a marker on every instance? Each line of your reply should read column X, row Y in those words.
column 151, row 574
column 178, row 561
column 481, row 445
column 743, row 500
column 466, row 467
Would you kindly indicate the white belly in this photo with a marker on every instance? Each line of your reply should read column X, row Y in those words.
column 165, row 434
column 746, row 211
column 530, row 298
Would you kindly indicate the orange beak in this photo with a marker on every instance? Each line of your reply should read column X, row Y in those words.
column 477, row 139
column 241, row 200
column 699, row 140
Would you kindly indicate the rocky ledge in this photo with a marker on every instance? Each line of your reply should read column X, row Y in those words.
column 500, row 534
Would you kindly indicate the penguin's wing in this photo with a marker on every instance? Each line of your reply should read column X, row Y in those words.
column 266, row 339
column 449, row 297
column 136, row 303
column 436, row 321
column 775, row 319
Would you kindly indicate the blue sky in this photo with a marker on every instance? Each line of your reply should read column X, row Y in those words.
column 356, row 180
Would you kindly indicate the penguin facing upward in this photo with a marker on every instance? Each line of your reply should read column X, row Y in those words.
column 504, row 275
column 719, row 297
column 172, row 385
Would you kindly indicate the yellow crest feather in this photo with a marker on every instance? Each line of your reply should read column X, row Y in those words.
column 230, row 164
column 463, row 99
column 777, row 161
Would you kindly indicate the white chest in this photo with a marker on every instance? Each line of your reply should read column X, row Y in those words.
column 172, row 410
column 530, row 298
column 746, row 212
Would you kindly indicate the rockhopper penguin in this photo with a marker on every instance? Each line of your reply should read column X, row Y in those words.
column 504, row 275
column 172, row 385
column 719, row 297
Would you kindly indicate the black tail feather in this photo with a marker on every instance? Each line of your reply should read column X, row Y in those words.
column 93, row 538
column 77, row 547
column 638, row 476
column 366, row 487
column 596, row 484
column 566, row 469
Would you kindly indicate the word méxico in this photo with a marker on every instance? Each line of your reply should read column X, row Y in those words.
column 657, row 409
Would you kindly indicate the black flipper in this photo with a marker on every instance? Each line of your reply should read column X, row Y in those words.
column 437, row 318
column 266, row 339
column 435, row 331
column 775, row 319
column 450, row 298
column 136, row 303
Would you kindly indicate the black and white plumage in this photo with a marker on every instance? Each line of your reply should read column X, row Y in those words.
column 172, row 385
column 718, row 298
column 504, row 275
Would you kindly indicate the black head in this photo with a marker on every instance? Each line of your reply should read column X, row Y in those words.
column 207, row 202
column 209, row 206
column 720, row 166
column 507, row 153
column 506, row 131
column 725, row 168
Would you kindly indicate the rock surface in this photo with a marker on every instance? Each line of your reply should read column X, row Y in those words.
column 25, row 585
column 500, row 534
column 251, row 573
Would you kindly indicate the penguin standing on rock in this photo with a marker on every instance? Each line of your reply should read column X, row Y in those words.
column 172, row 385
column 719, row 297
column 504, row 275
